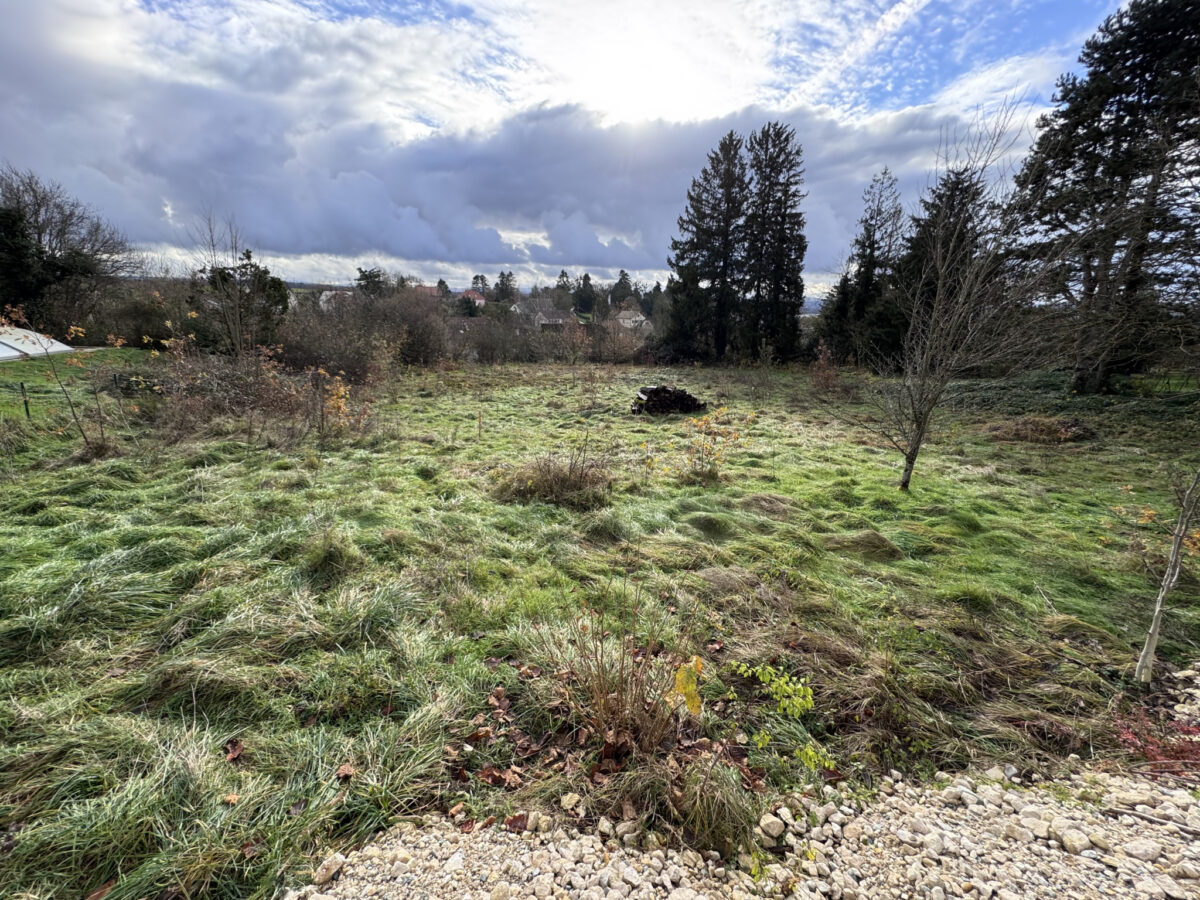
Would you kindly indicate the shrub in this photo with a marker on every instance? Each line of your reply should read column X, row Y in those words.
column 710, row 439
column 823, row 371
column 581, row 480
column 356, row 335
column 1041, row 430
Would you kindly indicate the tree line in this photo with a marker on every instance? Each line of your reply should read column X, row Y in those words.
column 1104, row 210
column 1100, row 255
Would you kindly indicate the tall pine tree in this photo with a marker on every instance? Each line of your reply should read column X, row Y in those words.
column 709, row 255
column 769, row 326
column 1109, row 188
column 861, row 316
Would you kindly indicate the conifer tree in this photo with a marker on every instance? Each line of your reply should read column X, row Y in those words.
column 861, row 315
column 775, row 242
column 1106, row 188
column 711, row 249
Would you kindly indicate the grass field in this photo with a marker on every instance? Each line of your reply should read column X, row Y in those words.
column 219, row 661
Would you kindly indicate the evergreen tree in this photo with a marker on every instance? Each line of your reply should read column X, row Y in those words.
column 861, row 315
column 585, row 297
column 939, row 255
column 770, row 321
column 506, row 288
column 443, row 289
column 373, row 282
column 622, row 292
column 480, row 283
column 563, row 293
column 1106, row 188
column 709, row 255
column 649, row 299
column 687, row 324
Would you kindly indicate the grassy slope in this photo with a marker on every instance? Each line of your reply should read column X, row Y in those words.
column 336, row 604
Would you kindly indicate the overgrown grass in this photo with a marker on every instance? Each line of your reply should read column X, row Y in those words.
column 196, row 637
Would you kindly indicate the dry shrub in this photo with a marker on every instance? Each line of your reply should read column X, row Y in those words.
column 362, row 336
column 581, row 480
column 639, row 706
column 1041, row 430
column 824, row 371
column 615, row 688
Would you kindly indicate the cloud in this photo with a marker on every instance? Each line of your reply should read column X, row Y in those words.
column 447, row 138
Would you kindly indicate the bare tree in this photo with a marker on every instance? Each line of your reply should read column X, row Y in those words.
column 965, row 296
column 1188, row 496
column 58, row 255
column 246, row 301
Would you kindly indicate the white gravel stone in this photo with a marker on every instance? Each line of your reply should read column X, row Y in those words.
column 1040, row 841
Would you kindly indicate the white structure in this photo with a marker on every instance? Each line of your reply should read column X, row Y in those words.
column 20, row 343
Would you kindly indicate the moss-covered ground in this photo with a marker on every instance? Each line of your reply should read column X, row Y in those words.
column 196, row 635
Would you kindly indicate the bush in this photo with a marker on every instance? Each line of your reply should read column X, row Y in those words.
column 356, row 335
column 580, row 480
column 1041, row 430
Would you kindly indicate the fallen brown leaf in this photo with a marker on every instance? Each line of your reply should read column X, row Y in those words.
column 101, row 892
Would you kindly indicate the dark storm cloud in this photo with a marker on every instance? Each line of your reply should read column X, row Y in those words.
column 305, row 172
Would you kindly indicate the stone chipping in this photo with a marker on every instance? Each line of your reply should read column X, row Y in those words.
column 983, row 836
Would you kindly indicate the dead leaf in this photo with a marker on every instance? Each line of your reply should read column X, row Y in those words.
column 530, row 671
column 491, row 775
column 455, row 810
column 527, row 746
column 492, row 662
column 488, row 822
column 252, row 848
column 346, row 771
column 233, row 749
column 467, row 827
column 628, row 813
column 517, row 823
column 298, row 807
column 101, row 892
column 715, row 646
column 231, row 799
column 482, row 734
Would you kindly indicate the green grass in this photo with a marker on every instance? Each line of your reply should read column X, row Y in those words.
column 345, row 603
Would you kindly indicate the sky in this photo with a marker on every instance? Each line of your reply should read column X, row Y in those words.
column 442, row 139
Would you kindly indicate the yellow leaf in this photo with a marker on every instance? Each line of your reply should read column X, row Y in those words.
column 687, row 684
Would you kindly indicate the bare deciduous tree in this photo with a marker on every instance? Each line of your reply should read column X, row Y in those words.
column 1188, row 496
column 245, row 299
column 966, row 297
column 60, row 255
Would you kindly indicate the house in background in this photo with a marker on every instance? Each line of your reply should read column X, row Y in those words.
column 631, row 319
column 474, row 296
column 542, row 314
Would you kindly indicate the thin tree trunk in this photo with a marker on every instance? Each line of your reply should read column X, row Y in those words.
column 910, row 460
column 1189, row 500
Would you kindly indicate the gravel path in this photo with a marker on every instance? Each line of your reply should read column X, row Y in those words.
column 988, row 835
